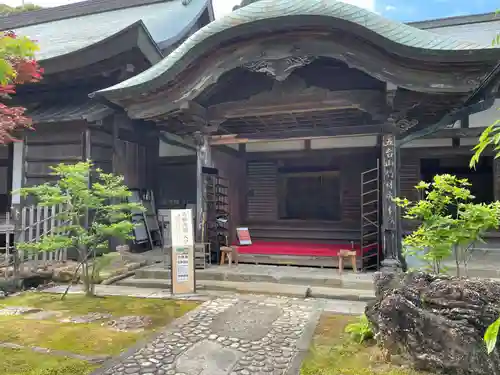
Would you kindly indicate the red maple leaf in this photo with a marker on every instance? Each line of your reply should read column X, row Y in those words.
column 26, row 70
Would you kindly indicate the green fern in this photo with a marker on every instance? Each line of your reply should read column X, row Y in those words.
column 361, row 330
column 491, row 336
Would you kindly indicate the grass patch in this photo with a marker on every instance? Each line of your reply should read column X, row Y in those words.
column 26, row 362
column 76, row 338
column 160, row 311
column 87, row 339
column 334, row 353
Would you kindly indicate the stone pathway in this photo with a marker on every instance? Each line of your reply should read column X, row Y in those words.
column 241, row 335
column 328, row 305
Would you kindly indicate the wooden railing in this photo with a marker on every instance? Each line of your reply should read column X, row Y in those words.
column 35, row 223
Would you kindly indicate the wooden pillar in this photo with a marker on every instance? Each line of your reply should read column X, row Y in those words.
column 203, row 159
column 390, row 218
column 17, row 202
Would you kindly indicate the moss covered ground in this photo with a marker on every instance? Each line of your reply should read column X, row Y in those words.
column 332, row 352
column 85, row 339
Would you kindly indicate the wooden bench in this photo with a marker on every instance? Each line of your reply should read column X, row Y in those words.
column 231, row 252
column 344, row 253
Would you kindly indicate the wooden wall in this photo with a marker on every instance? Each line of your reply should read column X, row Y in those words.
column 131, row 158
column 496, row 178
column 176, row 181
column 233, row 167
column 101, row 148
column 411, row 160
column 409, row 173
column 262, row 203
column 411, row 170
column 115, row 145
column 5, row 177
column 49, row 145
column 262, row 177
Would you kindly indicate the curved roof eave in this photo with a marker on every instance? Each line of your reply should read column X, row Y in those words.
column 106, row 48
column 276, row 15
column 163, row 19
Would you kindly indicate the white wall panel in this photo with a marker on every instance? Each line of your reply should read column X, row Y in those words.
column 432, row 142
column 275, row 146
column 344, row 142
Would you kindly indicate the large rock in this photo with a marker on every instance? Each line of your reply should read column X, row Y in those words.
column 437, row 322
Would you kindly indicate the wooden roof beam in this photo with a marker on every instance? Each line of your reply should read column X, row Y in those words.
column 312, row 99
column 228, row 139
column 195, row 111
column 283, row 109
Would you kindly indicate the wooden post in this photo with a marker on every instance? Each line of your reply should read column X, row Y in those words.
column 203, row 159
column 17, row 202
column 390, row 217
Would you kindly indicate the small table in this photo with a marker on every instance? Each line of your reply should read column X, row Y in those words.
column 229, row 251
column 347, row 254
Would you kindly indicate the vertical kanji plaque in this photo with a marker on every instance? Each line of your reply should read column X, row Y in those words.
column 183, row 265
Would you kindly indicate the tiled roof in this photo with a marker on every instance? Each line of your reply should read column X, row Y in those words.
column 165, row 21
column 274, row 10
column 78, row 9
column 63, row 112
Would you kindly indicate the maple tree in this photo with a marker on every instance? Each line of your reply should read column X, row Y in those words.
column 17, row 66
column 6, row 9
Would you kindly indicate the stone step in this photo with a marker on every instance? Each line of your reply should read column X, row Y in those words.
column 342, row 294
column 149, row 283
column 270, row 274
column 299, row 291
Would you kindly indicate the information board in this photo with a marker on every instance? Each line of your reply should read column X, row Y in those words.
column 182, row 272
column 243, row 236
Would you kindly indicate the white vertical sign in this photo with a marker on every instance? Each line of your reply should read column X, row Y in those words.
column 182, row 227
column 181, row 224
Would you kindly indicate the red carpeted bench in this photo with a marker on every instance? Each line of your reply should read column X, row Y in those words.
column 298, row 249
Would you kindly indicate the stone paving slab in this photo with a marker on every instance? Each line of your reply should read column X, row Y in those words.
column 118, row 290
column 328, row 305
column 243, row 335
column 342, row 307
column 346, row 294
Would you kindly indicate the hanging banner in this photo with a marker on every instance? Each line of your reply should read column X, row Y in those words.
column 182, row 270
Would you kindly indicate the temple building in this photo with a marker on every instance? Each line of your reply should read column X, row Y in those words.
column 312, row 115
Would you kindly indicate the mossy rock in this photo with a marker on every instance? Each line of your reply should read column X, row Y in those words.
column 64, row 276
column 10, row 285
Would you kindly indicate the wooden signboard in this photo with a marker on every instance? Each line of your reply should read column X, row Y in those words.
column 182, row 271
column 244, row 236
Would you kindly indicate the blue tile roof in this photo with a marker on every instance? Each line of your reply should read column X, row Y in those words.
column 274, row 10
column 165, row 21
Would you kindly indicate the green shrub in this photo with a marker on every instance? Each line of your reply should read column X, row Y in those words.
column 361, row 330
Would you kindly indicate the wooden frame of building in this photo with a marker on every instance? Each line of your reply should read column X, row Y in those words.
column 318, row 90
column 322, row 73
column 84, row 47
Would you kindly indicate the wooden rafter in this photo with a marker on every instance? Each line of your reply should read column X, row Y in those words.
column 228, row 139
column 293, row 97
